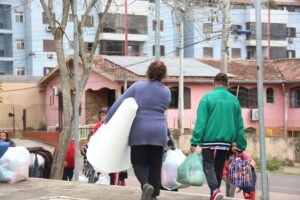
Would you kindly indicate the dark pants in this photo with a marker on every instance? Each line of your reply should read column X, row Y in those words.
column 68, row 173
column 143, row 156
column 213, row 165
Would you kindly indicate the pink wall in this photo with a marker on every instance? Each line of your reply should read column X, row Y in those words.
column 273, row 112
column 95, row 82
column 51, row 102
column 293, row 113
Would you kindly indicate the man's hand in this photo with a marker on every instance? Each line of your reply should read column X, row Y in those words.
column 193, row 148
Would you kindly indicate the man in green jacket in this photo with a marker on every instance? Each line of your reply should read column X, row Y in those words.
column 219, row 123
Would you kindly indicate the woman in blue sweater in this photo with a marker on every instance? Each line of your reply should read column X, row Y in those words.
column 148, row 133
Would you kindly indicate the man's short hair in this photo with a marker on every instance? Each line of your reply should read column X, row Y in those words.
column 221, row 78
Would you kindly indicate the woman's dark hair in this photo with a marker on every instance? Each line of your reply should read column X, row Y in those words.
column 157, row 71
column 221, row 78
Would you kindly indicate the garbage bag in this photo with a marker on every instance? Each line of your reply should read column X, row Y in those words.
column 14, row 165
column 3, row 148
column 108, row 148
column 173, row 160
column 190, row 172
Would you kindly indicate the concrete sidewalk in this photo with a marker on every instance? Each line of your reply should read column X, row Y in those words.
column 45, row 189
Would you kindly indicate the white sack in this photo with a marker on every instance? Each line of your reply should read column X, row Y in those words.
column 103, row 180
column 108, row 148
column 14, row 165
column 174, row 158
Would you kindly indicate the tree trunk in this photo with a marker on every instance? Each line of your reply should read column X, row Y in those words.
column 66, row 134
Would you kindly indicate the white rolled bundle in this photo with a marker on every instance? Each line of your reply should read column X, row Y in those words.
column 108, row 149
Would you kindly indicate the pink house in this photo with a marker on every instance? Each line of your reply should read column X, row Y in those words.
column 111, row 73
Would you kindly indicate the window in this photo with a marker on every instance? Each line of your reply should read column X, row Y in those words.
column 89, row 21
column 45, row 18
column 20, row 71
column 250, row 130
column 154, row 25
column 49, row 45
column 2, row 53
column 162, row 50
column 114, row 23
column 295, row 97
column 19, row 17
column 235, row 27
column 207, row 28
column 20, row 44
column 291, row 32
column 88, row 47
column 235, row 52
column 270, row 95
column 246, row 97
column 291, row 53
column 208, row 52
column 47, row 70
column 174, row 97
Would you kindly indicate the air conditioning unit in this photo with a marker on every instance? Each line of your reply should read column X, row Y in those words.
column 209, row 35
column 291, row 40
column 50, row 55
column 48, row 29
column 254, row 114
column 55, row 91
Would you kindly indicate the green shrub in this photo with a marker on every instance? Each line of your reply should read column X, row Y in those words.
column 273, row 163
column 29, row 128
column 42, row 126
column 18, row 135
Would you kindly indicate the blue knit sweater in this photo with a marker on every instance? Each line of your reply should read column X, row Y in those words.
column 149, row 126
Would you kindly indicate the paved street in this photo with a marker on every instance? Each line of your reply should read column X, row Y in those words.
column 282, row 186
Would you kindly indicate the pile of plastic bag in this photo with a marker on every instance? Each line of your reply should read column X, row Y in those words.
column 14, row 165
column 190, row 172
column 173, row 160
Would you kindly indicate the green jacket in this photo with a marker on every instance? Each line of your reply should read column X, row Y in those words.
column 219, row 121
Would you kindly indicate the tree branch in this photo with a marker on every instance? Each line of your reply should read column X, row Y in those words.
column 65, row 14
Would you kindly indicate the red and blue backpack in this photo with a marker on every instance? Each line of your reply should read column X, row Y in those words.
column 239, row 171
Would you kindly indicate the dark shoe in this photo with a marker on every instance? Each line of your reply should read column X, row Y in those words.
column 217, row 195
column 147, row 192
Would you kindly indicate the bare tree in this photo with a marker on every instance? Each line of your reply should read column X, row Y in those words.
column 58, row 27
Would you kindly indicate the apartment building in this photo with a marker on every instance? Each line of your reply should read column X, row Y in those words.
column 27, row 46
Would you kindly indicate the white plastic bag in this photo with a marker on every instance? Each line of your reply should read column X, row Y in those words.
column 14, row 165
column 173, row 159
column 103, row 180
column 108, row 148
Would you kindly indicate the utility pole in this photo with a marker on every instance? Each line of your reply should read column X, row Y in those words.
column 181, row 87
column 157, row 30
column 269, row 31
column 264, row 175
column 76, row 95
column 126, row 29
column 224, row 44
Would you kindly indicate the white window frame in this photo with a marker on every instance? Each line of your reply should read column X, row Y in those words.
column 19, row 71
column 20, row 44
column 19, row 16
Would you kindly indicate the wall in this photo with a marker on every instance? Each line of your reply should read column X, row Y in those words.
column 274, row 114
column 95, row 82
column 47, row 137
column 21, row 96
column 286, row 150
